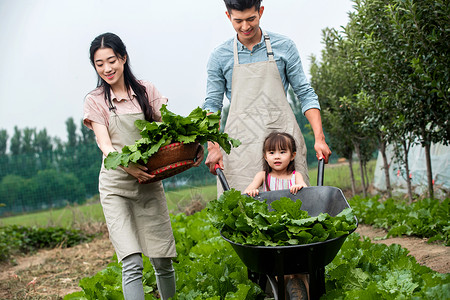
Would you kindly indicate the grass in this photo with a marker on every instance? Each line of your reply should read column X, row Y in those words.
column 339, row 175
column 177, row 200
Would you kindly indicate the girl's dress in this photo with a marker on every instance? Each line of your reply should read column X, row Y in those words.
column 276, row 184
column 136, row 214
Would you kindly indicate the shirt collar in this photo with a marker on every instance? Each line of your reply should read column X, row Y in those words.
column 257, row 46
column 113, row 96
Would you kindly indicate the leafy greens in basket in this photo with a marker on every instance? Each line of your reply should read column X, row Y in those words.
column 247, row 221
column 198, row 126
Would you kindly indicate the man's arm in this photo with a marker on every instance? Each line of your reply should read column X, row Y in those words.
column 309, row 100
column 321, row 147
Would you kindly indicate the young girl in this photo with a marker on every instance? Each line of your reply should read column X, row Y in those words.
column 279, row 169
column 136, row 214
column 279, row 151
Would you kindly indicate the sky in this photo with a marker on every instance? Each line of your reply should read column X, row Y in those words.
column 44, row 49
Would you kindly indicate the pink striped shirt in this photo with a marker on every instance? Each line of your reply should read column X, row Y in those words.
column 276, row 184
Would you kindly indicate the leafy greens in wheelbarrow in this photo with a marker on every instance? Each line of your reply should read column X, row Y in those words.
column 245, row 220
column 199, row 126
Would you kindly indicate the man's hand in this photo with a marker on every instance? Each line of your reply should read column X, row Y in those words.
column 214, row 157
column 322, row 150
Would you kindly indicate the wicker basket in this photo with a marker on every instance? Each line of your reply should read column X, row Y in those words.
column 171, row 160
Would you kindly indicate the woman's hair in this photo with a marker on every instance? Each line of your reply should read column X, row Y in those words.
column 278, row 141
column 112, row 41
column 242, row 5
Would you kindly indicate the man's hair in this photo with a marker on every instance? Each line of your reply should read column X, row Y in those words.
column 242, row 5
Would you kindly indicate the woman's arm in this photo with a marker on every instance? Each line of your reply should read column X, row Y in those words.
column 105, row 145
column 252, row 189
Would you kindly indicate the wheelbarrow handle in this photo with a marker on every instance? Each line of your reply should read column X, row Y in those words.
column 222, row 178
column 320, row 172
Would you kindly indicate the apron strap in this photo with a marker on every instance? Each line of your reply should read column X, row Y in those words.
column 235, row 51
column 268, row 47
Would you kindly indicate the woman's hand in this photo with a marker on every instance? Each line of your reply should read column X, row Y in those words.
column 138, row 172
column 199, row 157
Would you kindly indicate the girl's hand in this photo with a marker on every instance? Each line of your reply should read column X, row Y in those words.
column 138, row 172
column 251, row 192
column 297, row 187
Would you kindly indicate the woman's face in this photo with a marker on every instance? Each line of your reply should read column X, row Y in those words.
column 109, row 67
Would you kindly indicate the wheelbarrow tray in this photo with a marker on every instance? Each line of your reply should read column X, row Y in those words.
column 295, row 259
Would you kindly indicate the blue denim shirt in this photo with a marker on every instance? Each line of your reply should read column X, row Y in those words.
column 221, row 62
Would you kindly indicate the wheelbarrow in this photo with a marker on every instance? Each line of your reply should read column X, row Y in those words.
column 272, row 263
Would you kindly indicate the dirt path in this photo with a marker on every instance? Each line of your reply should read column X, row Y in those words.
column 434, row 256
column 52, row 274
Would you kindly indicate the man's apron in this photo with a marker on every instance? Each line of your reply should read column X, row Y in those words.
column 136, row 214
column 258, row 107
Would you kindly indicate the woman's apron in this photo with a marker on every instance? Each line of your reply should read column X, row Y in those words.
column 136, row 214
column 258, row 107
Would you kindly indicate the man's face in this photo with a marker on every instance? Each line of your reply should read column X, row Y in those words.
column 246, row 24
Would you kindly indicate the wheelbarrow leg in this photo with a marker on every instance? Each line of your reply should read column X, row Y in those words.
column 277, row 285
column 317, row 283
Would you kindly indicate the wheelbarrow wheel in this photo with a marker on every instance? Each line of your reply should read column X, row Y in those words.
column 296, row 289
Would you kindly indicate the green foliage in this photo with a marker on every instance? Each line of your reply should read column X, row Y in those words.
column 42, row 172
column 362, row 270
column 198, row 126
column 16, row 239
column 248, row 221
column 24, row 194
column 385, row 78
column 208, row 268
column 427, row 218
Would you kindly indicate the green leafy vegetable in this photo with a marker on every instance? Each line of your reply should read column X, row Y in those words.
column 246, row 220
column 199, row 126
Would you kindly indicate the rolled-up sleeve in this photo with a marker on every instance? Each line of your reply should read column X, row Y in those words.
column 156, row 100
column 93, row 113
column 215, row 85
column 298, row 80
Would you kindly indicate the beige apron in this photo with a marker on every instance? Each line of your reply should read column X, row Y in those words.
column 258, row 107
column 136, row 214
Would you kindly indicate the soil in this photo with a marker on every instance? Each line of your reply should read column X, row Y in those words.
column 52, row 274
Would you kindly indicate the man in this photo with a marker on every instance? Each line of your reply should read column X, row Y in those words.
column 254, row 70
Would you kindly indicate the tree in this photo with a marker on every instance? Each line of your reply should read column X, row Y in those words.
column 305, row 128
column 3, row 157
column 44, row 148
column 422, row 31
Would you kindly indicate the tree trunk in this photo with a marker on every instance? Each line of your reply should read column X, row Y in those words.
column 352, row 176
column 408, row 179
column 366, row 174
column 429, row 170
column 361, row 170
column 386, row 169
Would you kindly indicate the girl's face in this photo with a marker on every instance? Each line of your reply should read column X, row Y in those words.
column 279, row 159
column 109, row 67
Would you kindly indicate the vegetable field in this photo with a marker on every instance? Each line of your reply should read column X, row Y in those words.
column 208, row 268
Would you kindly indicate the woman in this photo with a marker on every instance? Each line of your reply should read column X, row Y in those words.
column 136, row 213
